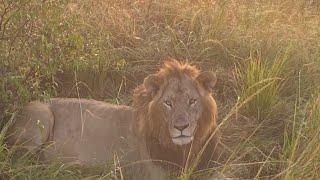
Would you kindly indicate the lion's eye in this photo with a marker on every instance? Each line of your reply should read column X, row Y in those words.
column 168, row 103
column 192, row 101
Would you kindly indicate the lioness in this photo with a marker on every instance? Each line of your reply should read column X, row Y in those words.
column 173, row 110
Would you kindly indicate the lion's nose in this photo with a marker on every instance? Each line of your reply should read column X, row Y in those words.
column 181, row 128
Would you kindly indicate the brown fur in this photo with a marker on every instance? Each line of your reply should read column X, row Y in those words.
column 78, row 130
column 90, row 131
column 153, row 130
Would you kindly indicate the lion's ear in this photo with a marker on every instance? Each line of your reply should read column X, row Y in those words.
column 207, row 79
column 152, row 83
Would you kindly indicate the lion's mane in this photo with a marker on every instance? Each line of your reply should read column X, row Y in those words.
column 155, row 132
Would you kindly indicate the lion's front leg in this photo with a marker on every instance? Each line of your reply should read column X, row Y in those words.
column 152, row 171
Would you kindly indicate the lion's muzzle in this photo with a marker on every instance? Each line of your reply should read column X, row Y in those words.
column 181, row 132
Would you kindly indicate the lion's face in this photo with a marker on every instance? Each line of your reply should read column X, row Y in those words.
column 181, row 106
column 178, row 103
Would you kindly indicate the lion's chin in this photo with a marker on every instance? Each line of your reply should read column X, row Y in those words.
column 182, row 140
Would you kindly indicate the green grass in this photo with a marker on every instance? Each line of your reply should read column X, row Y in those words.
column 301, row 150
column 256, row 73
column 266, row 54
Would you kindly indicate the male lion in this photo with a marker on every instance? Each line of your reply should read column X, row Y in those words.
column 176, row 111
column 85, row 131
column 172, row 118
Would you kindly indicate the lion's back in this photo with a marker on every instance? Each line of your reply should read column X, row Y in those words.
column 81, row 129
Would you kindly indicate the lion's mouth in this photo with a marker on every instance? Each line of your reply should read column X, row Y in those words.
column 182, row 139
column 182, row 136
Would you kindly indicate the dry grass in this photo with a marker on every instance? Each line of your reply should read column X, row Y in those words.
column 267, row 52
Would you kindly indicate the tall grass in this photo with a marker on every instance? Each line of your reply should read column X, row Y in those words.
column 254, row 74
column 102, row 49
column 301, row 150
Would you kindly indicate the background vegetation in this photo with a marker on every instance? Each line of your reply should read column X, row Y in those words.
column 266, row 55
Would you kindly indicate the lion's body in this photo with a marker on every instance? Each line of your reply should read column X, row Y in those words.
column 86, row 131
column 173, row 110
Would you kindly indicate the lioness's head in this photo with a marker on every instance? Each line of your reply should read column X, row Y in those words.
column 178, row 103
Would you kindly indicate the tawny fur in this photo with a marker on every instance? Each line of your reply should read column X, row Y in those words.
column 77, row 130
column 153, row 130
column 90, row 131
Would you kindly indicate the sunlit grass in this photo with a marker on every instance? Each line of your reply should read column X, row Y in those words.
column 103, row 49
column 254, row 74
column 301, row 150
